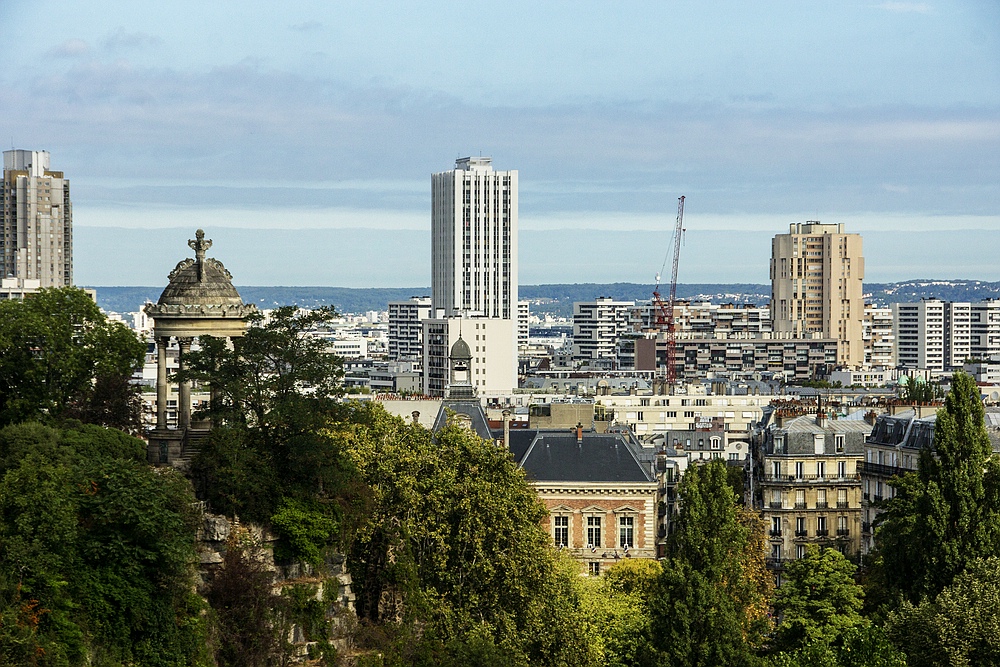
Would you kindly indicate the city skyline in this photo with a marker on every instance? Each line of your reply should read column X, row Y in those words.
column 881, row 116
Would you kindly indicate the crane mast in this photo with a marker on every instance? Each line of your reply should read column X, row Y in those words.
column 665, row 310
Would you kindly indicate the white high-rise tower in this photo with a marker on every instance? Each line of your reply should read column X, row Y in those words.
column 36, row 227
column 474, row 275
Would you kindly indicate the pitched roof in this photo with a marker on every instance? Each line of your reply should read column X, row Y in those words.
column 559, row 457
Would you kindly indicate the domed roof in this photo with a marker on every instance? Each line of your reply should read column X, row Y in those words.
column 460, row 350
column 202, row 281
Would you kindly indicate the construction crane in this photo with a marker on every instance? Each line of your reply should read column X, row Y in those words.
column 665, row 309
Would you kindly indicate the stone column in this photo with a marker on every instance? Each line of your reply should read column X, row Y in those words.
column 161, row 381
column 184, row 395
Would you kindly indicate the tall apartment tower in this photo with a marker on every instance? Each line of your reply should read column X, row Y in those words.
column 36, row 240
column 473, row 274
column 817, row 286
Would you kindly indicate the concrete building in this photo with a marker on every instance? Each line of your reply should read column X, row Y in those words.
column 941, row 336
column 597, row 326
column 817, row 286
column 878, row 338
column 18, row 288
column 36, row 230
column 406, row 329
column 473, row 274
column 523, row 317
column 798, row 359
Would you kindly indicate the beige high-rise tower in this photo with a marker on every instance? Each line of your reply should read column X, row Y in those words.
column 817, row 286
column 36, row 228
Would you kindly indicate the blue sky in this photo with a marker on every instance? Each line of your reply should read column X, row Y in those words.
column 881, row 115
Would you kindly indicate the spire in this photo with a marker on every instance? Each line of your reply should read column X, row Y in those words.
column 200, row 245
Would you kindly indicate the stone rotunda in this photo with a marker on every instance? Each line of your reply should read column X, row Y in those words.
column 199, row 300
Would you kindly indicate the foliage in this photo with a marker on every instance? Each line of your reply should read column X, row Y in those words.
column 711, row 601
column 454, row 542
column 960, row 626
column 248, row 622
column 948, row 513
column 97, row 550
column 615, row 607
column 818, row 600
column 305, row 532
column 269, row 460
column 60, row 356
column 912, row 390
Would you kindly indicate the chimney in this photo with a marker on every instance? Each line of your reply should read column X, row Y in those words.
column 579, row 433
column 506, row 429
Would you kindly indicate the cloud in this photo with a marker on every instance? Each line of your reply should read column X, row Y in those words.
column 906, row 7
column 307, row 26
column 71, row 48
column 281, row 139
column 120, row 40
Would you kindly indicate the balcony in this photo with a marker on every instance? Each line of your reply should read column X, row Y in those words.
column 800, row 506
column 843, row 532
column 775, row 563
column 880, row 470
column 843, row 504
column 821, row 504
column 801, row 533
column 793, row 479
column 822, row 532
column 775, row 533
column 866, row 528
column 775, row 505
column 878, row 497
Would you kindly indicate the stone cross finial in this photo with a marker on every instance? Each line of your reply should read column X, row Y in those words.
column 200, row 245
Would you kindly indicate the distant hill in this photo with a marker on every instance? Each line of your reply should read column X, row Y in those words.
column 556, row 299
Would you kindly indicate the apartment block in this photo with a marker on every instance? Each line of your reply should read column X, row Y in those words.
column 597, row 326
column 406, row 330
column 36, row 227
column 941, row 336
column 817, row 286
column 878, row 338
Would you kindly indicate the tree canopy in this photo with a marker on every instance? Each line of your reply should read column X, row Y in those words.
column 947, row 513
column 61, row 357
column 818, row 600
column 711, row 602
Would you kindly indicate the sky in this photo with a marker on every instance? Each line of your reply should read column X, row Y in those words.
column 271, row 118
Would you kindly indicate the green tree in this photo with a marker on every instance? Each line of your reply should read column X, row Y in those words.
column 616, row 609
column 818, row 601
column 711, row 600
column 274, row 390
column 454, row 542
column 960, row 626
column 61, row 357
column 948, row 512
column 97, row 549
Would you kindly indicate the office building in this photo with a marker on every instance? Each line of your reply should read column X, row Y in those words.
column 36, row 239
column 473, row 275
column 817, row 276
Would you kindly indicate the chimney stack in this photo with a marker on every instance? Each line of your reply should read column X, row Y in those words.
column 579, row 433
column 506, row 429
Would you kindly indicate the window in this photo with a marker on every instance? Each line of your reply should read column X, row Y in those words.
column 800, row 498
column 820, row 469
column 842, row 525
column 626, row 531
column 716, row 443
column 799, row 470
column 821, row 498
column 775, row 469
column 800, row 551
column 775, row 497
column 819, row 443
column 842, row 469
column 594, row 531
column 595, row 569
column 800, row 526
column 839, row 440
column 562, row 531
column 841, row 497
column 776, row 551
column 779, row 444
column 821, row 525
column 775, row 526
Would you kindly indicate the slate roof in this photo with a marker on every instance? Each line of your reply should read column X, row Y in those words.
column 471, row 407
column 557, row 456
